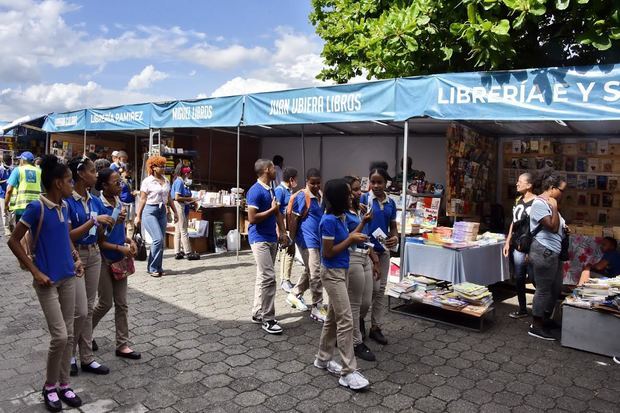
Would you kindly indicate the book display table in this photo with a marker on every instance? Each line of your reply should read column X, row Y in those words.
column 484, row 265
column 591, row 330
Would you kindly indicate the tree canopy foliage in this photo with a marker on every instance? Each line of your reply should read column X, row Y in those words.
column 392, row 38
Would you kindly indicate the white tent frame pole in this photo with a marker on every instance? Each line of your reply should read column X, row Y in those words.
column 237, row 199
column 84, row 152
column 403, row 215
column 303, row 152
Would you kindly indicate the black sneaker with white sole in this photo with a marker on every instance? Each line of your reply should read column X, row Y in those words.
column 541, row 333
column 272, row 327
column 257, row 320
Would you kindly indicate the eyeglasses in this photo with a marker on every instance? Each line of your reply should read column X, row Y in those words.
column 559, row 189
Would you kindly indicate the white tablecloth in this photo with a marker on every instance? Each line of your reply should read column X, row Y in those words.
column 484, row 265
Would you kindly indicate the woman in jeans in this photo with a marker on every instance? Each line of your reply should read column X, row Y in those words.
column 548, row 228
column 54, row 268
column 363, row 265
column 114, row 247
column 154, row 197
column 520, row 223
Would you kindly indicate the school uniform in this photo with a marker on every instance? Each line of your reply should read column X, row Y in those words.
column 383, row 214
column 111, row 291
column 82, row 210
column 309, row 243
column 181, row 237
column 263, row 241
column 360, row 278
column 5, row 172
column 338, row 326
column 283, row 193
column 53, row 258
column 129, row 202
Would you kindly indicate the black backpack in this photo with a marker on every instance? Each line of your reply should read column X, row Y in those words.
column 141, row 252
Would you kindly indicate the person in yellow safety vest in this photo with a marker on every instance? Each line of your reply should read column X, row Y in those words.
column 25, row 181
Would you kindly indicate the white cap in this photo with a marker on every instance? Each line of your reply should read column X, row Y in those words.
column 115, row 153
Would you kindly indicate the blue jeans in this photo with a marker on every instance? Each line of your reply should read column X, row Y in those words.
column 520, row 274
column 154, row 219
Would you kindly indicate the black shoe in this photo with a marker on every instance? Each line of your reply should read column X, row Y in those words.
column 179, row 256
column 134, row 355
column 101, row 370
column 518, row 314
column 257, row 320
column 193, row 256
column 377, row 335
column 95, row 347
column 541, row 333
column 272, row 327
column 70, row 398
column 52, row 400
column 549, row 324
column 363, row 328
column 74, row 370
column 364, row 353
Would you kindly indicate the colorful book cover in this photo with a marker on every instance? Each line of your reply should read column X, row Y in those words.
column 595, row 200
column 607, row 200
column 591, row 181
column 603, row 147
column 581, row 165
column 593, row 165
column 591, row 147
column 612, row 184
column 569, row 163
column 601, row 182
column 607, row 165
column 571, row 181
column 582, row 182
column 582, row 199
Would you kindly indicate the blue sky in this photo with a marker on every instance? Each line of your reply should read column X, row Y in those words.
column 62, row 55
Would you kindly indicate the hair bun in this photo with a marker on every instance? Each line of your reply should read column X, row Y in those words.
column 49, row 162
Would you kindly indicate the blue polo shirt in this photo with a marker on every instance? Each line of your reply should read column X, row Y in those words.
column 117, row 235
column 80, row 211
column 126, row 195
column 259, row 198
column 53, row 249
column 334, row 228
column 308, row 231
column 283, row 196
column 5, row 172
column 178, row 187
column 383, row 213
column 613, row 263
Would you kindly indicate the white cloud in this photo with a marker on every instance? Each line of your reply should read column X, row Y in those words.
column 145, row 78
column 40, row 99
column 222, row 58
column 239, row 86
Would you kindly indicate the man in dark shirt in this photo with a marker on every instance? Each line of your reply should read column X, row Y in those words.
column 608, row 266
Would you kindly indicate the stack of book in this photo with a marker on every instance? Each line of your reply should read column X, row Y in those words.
column 404, row 287
column 474, row 294
column 465, row 231
column 423, row 283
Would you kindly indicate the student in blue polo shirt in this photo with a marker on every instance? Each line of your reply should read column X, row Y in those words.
column 264, row 215
column 5, row 173
column 383, row 210
column 54, row 268
column 338, row 326
column 286, row 256
column 86, row 214
column 115, row 246
column 182, row 197
column 304, row 228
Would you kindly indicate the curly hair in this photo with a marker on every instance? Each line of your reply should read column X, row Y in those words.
column 154, row 161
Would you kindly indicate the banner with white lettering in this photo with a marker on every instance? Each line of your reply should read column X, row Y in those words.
column 341, row 103
column 216, row 112
column 65, row 122
column 571, row 93
column 128, row 117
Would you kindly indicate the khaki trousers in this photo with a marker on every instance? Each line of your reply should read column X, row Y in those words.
column 311, row 277
column 379, row 300
column 5, row 218
column 360, row 290
column 181, row 238
column 113, row 292
column 58, row 305
column 130, row 228
column 85, row 297
column 286, row 263
column 338, row 326
column 265, row 288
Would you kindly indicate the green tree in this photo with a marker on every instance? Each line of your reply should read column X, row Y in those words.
column 392, row 38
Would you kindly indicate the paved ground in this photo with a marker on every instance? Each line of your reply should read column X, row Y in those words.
column 201, row 353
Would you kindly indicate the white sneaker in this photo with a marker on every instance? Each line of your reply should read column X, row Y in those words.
column 331, row 366
column 617, row 360
column 319, row 313
column 287, row 286
column 354, row 381
column 296, row 302
column 272, row 327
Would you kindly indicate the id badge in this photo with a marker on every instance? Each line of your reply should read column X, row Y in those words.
column 93, row 230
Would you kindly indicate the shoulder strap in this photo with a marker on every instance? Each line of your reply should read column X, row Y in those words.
column 38, row 232
column 308, row 201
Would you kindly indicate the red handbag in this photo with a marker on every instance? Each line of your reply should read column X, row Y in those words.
column 122, row 269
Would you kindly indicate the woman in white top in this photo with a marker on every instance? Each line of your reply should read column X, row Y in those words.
column 154, row 197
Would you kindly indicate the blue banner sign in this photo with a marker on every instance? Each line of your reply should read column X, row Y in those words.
column 572, row 93
column 342, row 103
column 128, row 117
column 216, row 112
column 65, row 122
